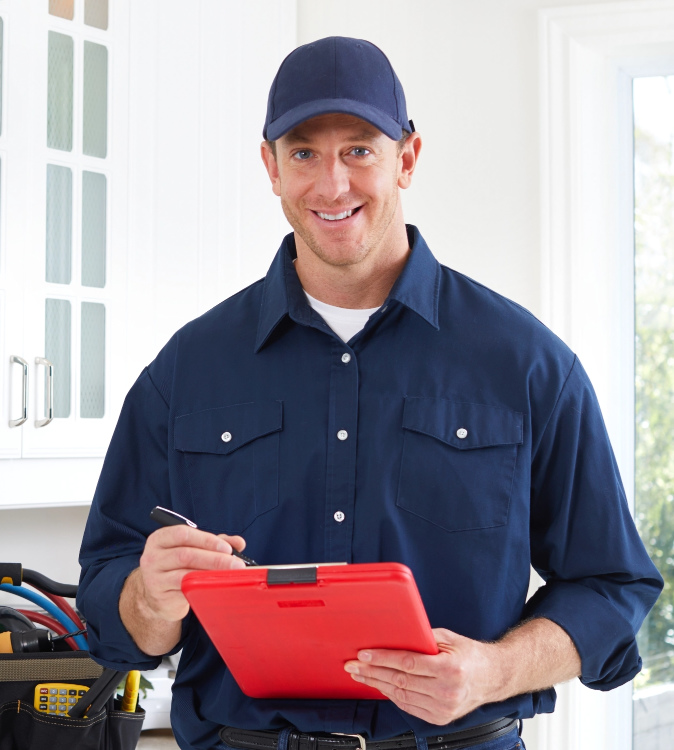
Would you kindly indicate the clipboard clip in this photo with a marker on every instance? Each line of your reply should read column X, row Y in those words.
column 283, row 575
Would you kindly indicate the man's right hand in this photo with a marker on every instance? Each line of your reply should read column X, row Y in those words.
column 152, row 604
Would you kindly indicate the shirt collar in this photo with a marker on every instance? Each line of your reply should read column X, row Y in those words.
column 417, row 287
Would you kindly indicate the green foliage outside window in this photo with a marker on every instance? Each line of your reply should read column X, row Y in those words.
column 654, row 370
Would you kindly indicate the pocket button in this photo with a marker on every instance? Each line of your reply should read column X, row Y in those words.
column 462, row 432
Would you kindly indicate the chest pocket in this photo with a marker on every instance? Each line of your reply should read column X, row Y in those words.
column 458, row 462
column 232, row 459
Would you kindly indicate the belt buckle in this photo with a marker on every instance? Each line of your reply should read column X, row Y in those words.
column 360, row 737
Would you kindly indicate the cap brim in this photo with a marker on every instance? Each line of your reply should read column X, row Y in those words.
column 307, row 111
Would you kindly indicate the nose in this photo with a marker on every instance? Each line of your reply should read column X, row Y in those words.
column 332, row 180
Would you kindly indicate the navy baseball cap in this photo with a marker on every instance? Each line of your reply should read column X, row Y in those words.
column 336, row 75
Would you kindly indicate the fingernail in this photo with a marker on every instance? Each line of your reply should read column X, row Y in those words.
column 351, row 668
column 365, row 656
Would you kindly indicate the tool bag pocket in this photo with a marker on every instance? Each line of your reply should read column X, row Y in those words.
column 23, row 727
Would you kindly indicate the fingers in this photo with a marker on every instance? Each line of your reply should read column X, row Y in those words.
column 185, row 537
column 413, row 694
column 407, row 678
column 404, row 661
column 389, row 681
column 173, row 551
column 410, row 661
column 431, row 687
column 185, row 548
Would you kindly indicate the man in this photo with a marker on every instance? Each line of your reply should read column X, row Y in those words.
column 363, row 403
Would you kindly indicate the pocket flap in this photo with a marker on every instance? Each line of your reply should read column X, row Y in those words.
column 461, row 424
column 227, row 428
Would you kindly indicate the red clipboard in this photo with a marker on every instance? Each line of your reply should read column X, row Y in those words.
column 286, row 632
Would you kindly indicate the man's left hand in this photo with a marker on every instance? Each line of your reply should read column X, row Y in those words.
column 438, row 689
column 535, row 655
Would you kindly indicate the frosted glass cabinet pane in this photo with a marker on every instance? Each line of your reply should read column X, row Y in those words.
column 92, row 371
column 60, row 92
column 96, row 13
column 94, row 195
column 59, row 225
column 95, row 103
column 57, row 326
column 62, row 8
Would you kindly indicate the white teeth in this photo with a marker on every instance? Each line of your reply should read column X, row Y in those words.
column 335, row 217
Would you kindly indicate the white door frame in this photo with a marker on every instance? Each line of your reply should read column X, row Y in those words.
column 588, row 57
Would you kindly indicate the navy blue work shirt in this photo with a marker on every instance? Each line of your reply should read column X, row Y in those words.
column 454, row 433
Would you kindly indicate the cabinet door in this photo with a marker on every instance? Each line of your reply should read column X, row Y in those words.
column 13, row 374
column 72, row 117
column 75, row 286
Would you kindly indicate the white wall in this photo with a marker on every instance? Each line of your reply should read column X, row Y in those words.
column 42, row 539
column 203, row 221
column 470, row 73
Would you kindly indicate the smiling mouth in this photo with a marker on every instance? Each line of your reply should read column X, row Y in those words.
column 337, row 217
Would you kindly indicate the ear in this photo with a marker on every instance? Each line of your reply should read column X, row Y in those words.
column 271, row 166
column 407, row 161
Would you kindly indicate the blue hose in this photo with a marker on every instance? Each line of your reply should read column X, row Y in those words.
column 49, row 607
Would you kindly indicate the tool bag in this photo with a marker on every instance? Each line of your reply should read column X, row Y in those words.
column 103, row 726
column 23, row 727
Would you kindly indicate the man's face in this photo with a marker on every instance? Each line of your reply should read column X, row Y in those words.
column 338, row 179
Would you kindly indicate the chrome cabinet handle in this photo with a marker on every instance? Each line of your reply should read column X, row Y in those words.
column 24, row 397
column 49, row 396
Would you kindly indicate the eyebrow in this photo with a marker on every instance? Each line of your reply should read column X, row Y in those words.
column 295, row 136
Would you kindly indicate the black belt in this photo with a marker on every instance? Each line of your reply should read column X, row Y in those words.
column 250, row 739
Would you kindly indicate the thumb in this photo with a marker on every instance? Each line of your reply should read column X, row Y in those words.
column 238, row 542
column 447, row 640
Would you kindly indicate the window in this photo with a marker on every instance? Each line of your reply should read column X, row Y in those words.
column 590, row 56
column 654, row 395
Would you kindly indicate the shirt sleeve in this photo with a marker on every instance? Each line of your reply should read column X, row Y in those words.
column 134, row 479
column 599, row 580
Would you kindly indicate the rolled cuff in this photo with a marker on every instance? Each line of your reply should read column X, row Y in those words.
column 605, row 641
column 98, row 599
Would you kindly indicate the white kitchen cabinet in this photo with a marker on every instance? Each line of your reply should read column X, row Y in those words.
column 185, row 191
column 63, row 163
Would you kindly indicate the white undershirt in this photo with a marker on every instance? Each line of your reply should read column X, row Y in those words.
column 344, row 321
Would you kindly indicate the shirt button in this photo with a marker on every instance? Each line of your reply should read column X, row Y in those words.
column 462, row 432
column 339, row 516
column 342, row 434
column 346, row 358
column 226, row 437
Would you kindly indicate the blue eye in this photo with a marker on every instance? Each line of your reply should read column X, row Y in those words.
column 302, row 155
column 360, row 151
